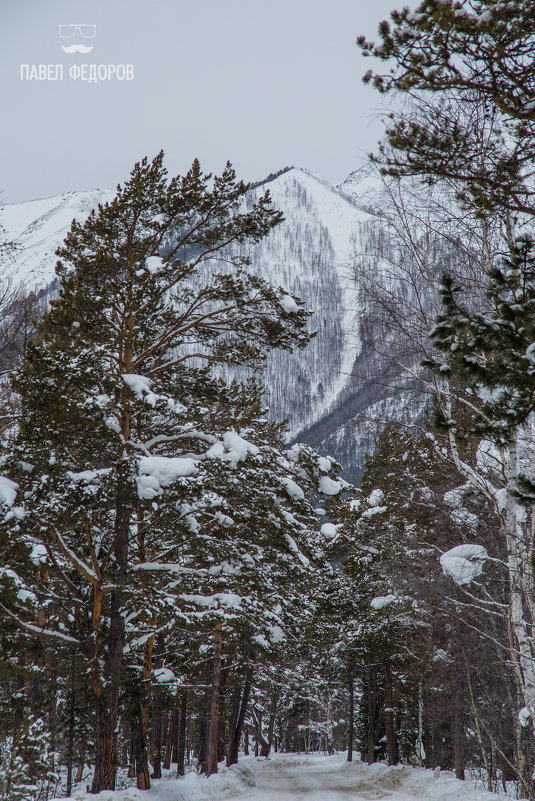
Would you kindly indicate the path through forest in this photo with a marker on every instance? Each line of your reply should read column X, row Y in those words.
column 306, row 778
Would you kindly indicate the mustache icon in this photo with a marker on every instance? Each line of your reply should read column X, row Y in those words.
column 77, row 48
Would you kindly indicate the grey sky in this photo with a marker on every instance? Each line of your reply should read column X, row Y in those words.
column 264, row 84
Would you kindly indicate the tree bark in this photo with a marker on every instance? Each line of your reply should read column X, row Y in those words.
column 171, row 737
column 266, row 746
column 157, row 710
column 234, row 740
column 181, row 738
column 391, row 744
column 106, row 745
column 70, row 727
column 372, row 709
column 202, row 740
column 351, row 725
column 107, row 696
column 225, row 673
column 261, row 744
column 458, row 736
column 213, row 728
column 157, row 735
column 142, row 765
column 420, row 752
column 235, row 698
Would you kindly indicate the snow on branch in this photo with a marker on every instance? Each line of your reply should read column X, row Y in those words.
column 464, row 562
column 76, row 561
column 29, row 627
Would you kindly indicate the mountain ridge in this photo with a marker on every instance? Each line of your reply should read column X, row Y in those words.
column 310, row 255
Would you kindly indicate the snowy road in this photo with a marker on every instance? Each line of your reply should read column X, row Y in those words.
column 322, row 778
column 306, row 778
column 309, row 780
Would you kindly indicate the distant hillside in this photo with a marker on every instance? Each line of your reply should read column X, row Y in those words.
column 334, row 393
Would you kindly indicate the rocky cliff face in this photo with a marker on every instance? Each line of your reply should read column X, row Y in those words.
column 336, row 394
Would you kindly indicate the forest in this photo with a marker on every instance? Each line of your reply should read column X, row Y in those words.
column 181, row 583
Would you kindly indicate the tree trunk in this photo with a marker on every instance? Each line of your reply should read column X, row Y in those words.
column 106, row 745
column 79, row 773
column 261, row 744
column 234, row 739
column 420, row 752
column 391, row 744
column 372, row 708
column 458, row 735
column 171, row 734
column 351, row 724
column 235, row 698
column 142, row 762
column 157, row 736
column 52, row 676
column 202, row 741
column 213, row 727
column 181, row 738
column 142, row 765
column 225, row 673
column 107, row 697
column 266, row 745
column 70, row 727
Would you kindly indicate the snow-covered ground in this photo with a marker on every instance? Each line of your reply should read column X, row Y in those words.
column 306, row 778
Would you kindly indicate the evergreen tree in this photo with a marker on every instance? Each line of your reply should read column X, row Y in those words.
column 121, row 408
column 416, row 638
column 492, row 351
column 468, row 68
column 25, row 764
column 469, row 127
column 490, row 354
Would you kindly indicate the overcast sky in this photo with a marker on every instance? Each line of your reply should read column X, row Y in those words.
column 263, row 83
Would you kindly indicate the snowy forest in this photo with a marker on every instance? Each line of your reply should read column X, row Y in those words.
column 185, row 581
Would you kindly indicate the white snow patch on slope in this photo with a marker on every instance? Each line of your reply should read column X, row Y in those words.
column 340, row 215
column 39, row 226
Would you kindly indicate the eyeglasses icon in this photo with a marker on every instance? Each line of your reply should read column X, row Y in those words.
column 85, row 31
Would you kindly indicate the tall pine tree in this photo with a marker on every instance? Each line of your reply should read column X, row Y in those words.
column 120, row 403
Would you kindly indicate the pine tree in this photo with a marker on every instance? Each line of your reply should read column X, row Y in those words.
column 468, row 68
column 25, row 764
column 490, row 354
column 120, row 407
column 411, row 638
column 470, row 127
column 493, row 350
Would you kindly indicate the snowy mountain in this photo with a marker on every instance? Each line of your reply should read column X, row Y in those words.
column 38, row 227
column 329, row 391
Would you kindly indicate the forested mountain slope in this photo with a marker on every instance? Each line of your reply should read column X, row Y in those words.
column 335, row 393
